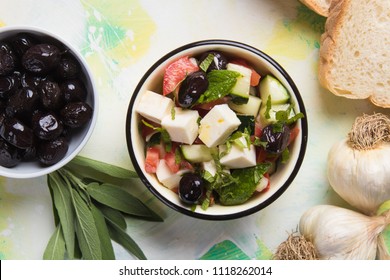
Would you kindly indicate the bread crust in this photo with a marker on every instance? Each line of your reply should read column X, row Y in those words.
column 321, row 7
column 333, row 59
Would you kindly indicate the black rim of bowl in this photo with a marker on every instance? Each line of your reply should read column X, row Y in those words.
column 279, row 192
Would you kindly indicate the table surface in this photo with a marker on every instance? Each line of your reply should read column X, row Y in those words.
column 120, row 41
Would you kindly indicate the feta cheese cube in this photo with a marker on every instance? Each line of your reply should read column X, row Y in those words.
column 154, row 106
column 210, row 167
column 217, row 125
column 166, row 177
column 239, row 157
column 183, row 126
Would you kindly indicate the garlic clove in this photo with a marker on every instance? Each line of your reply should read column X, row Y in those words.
column 339, row 233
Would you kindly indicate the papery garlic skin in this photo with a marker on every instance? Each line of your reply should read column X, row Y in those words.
column 360, row 177
column 341, row 234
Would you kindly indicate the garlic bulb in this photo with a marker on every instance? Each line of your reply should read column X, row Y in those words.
column 339, row 233
column 358, row 167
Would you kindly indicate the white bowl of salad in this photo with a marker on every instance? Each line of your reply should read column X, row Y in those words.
column 216, row 129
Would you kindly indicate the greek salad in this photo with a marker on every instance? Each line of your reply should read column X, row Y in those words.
column 218, row 129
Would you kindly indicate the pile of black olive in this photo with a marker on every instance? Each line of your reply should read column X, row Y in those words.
column 42, row 98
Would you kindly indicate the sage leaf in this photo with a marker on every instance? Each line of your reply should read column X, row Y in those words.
column 55, row 249
column 55, row 212
column 119, row 199
column 114, row 216
column 94, row 167
column 122, row 238
column 104, row 236
column 86, row 230
column 63, row 204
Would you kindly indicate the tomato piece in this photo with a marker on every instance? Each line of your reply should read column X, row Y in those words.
column 261, row 155
column 294, row 132
column 152, row 159
column 170, row 160
column 176, row 72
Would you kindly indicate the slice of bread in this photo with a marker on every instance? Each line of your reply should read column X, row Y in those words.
column 355, row 50
column 321, row 7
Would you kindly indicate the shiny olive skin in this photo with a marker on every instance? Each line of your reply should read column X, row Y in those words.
column 68, row 68
column 277, row 138
column 30, row 80
column 21, row 43
column 41, row 58
column 16, row 133
column 47, row 126
column 73, row 90
column 22, row 103
column 8, row 59
column 9, row 84
column 9, row 155
column 193, row 86
column 76, row 114
column 219, row 61
column 191, row 188
column 51, row 152
column 51, row 95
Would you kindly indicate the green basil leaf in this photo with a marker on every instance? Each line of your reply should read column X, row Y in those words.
column 55, row 249
column 101, row 167
column 122, row 238
column 121, row 200
column 112, row 215
column 63, row 204
column 86, row 230
column 104, row 236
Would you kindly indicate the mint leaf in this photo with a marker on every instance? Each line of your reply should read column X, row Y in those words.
column 206, row 62
column 244, row 185
column 220, row 84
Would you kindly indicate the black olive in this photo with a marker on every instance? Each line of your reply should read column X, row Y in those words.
column 193, row 86
column 51, row 95
column 9, row 84
column 9, row 155
column 22, row 103
column 46, row 126
column 276, row 136
column 191, row 188
column 73, row 90
column 67, row 68
column 41, row 58
column 30, row 80
column 16, row 133
column 21, row 43
column 51, row 152
column 8, row 59
column 76, row 114
column 219, row 60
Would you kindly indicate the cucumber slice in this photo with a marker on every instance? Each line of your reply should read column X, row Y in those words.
column 272, row 113
column 197, row 153
column 240, row 91
column 270, row 86
column 250, row 108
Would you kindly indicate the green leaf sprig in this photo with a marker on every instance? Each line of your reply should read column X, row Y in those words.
column 90, row 208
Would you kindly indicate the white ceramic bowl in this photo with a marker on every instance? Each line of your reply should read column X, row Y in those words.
column 285, row 174
column 79, row 137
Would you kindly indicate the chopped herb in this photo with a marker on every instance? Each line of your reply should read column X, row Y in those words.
column 220, row 84
column 205, row 64
column 165, row 137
